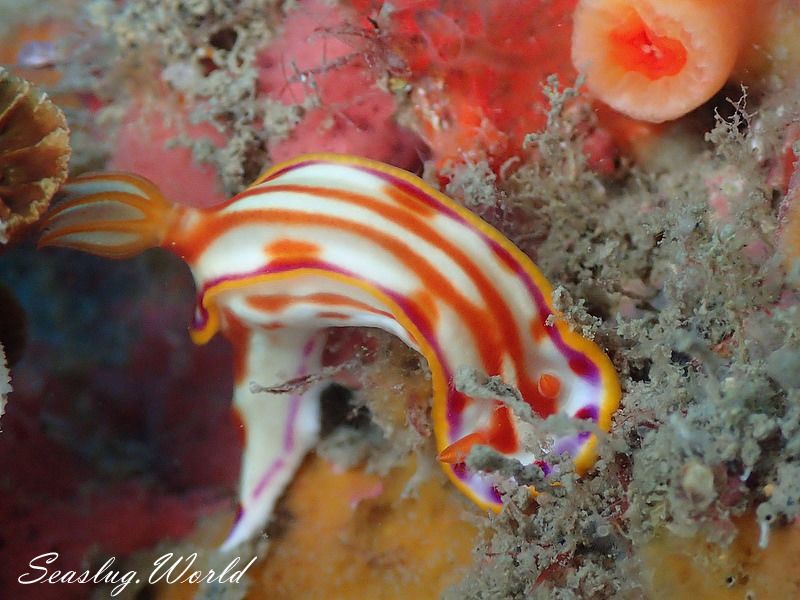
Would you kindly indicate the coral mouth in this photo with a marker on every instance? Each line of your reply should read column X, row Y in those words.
column 635, row 46
column 656, row 60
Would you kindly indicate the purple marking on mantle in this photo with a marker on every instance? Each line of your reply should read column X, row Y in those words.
column 293, row 167
column 570, row 353
column 571, row 444
column 405, row 305
column 590, row 411
column 289, row 425
column 202, row 312
column 273, row 470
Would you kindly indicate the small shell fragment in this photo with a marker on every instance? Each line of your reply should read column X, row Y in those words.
column 34, row 154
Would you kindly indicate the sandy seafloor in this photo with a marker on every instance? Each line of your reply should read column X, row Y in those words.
column 678, row 259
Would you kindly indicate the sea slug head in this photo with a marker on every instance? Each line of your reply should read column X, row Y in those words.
column 656, row 60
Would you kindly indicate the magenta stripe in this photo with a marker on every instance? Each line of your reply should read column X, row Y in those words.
column 299, row 165
column 408, row 308
column 273, row 470
column 254, row 188
column 289, row 425
column 593, row 372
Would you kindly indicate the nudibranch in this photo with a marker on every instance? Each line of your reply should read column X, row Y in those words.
column 656, row 60
column 331, row 241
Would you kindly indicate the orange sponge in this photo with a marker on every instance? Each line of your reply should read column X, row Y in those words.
column 656, row 60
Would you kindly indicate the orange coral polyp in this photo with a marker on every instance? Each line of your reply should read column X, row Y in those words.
column 656, row 60
column 636, row 47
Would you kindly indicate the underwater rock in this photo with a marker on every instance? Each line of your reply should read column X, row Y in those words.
column 5, row 381
column 361, row 535
column 787, row 179
column 791, row 237
column 13, row 326
column 34, row 154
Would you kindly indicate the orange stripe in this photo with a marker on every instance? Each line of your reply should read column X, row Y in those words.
column 147, row 187
column 289, row 247
column 457, row 451
column 472, row 317
column 505, row 330
column 494, row 301
column 239, row 336
column 128, row 198
column 270, row 303
column 508, row 337
column 332, row 315
column 426, row 303
column 408, row 201
column 276, row 302
column 501, row 433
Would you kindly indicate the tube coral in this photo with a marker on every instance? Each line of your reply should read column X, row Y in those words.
column 656, row 60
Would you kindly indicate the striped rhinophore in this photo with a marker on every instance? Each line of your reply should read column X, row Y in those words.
column 116, row 215
column 337, row 241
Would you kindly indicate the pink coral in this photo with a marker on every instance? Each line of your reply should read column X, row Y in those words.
column 353, row 115
column 142, row 146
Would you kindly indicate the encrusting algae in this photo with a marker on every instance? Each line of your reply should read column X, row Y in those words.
column 362, row 535
column 678, row 567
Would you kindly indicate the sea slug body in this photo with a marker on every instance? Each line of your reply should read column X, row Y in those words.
column 328, row 240
column 656, row 60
